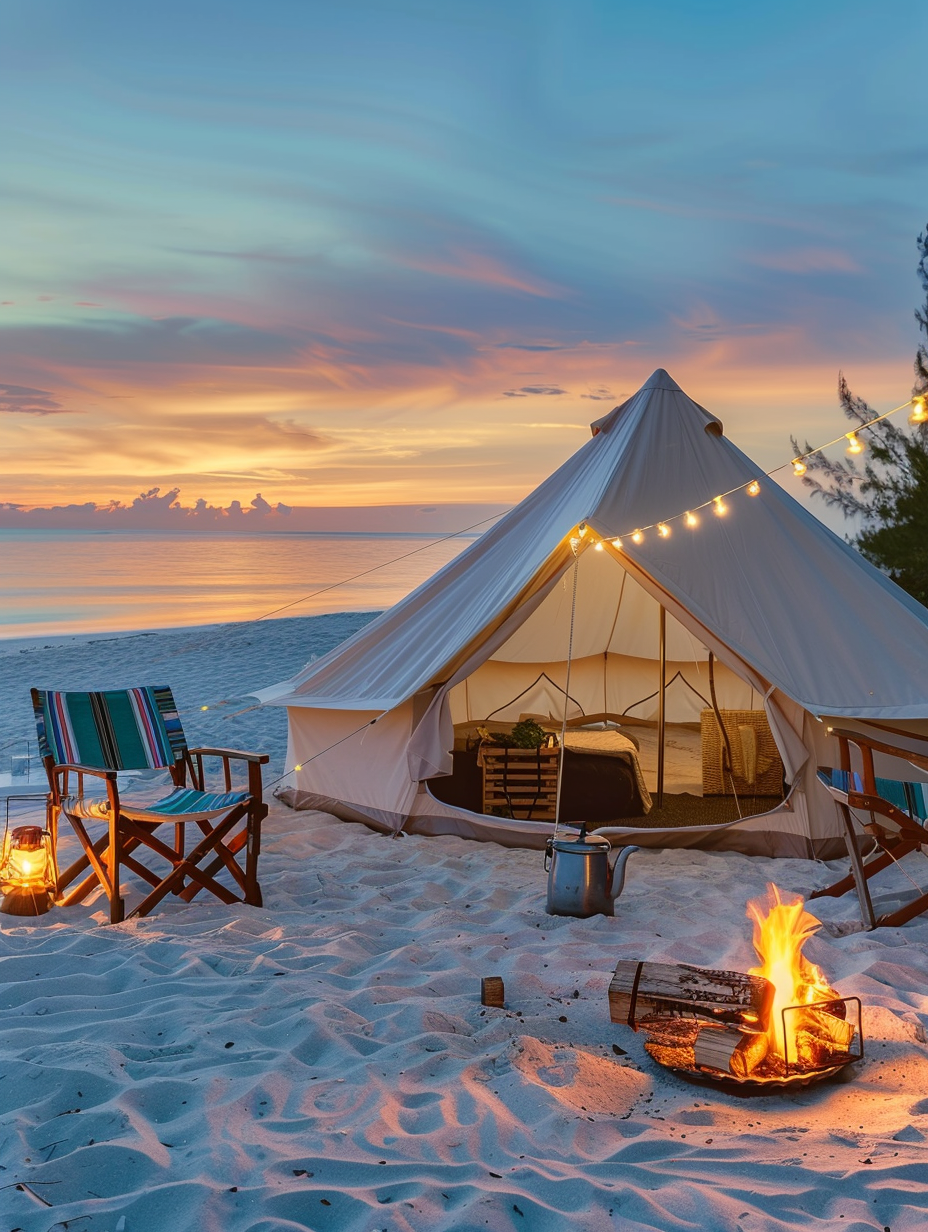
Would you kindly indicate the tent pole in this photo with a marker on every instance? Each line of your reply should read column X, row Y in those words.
column 661, row 723
column 570, row 655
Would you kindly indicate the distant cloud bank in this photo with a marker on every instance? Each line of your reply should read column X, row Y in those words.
column 157, row 511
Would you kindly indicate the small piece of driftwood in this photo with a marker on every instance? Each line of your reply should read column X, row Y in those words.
column 729, row 1050
column 673, row 990
column 492, row 991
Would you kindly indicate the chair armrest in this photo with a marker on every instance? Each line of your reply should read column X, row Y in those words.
column 65, row 766
column 59, row 782
column 891, row 750
column 260, row 759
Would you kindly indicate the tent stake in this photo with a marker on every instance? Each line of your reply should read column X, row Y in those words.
column 660, row 709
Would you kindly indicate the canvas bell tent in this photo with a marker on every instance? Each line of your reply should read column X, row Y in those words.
column 798, row 623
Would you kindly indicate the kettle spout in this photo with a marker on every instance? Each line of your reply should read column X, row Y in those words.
column 617, row 872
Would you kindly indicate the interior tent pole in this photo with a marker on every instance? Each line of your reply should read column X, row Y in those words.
column 570, row 655
column 661, row 717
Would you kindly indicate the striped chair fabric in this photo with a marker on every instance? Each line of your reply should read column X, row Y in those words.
column 911, row 798
column 123, row 729
column 183, row 804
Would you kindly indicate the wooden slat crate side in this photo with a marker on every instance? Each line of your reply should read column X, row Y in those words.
column 674, row 990
column 520, row 781
column 520, row 776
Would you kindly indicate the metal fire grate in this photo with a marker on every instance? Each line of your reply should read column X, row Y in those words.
column 792, row 1076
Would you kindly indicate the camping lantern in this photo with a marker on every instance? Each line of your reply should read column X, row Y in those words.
column 27, row 871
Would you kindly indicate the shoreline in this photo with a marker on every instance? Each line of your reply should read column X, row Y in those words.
column 50, row 641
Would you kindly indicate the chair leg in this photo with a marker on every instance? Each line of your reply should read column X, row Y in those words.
column 252, row 888
column 871, row 868
column 233, row 847
column 188, row 868
column 858, row 871
column 179, row 846
column 80, row 865
column 904, row 914
column 117, row 906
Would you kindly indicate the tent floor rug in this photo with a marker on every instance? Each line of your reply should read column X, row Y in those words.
column 687, row 810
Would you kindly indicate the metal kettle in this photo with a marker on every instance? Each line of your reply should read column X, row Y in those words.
column 581, row 881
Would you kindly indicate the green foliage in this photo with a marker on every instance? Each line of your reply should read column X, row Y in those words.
column 525, row 735
column 889, row 494
column 528, row 735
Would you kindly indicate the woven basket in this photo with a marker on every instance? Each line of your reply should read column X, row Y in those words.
column 756, row 766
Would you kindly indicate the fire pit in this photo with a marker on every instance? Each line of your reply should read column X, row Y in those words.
column 779, row 1026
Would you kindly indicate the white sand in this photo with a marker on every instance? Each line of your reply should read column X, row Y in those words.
column 325, row 1062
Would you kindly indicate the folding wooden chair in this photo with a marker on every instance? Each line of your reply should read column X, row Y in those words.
column 95, row 735
column 897, row 810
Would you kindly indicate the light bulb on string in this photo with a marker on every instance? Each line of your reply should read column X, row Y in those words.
column 854, row 443
column 691, row 519
column 919, row 410
column 799, row 467
column 599, row 545
column 753, row 488
column 663, row 530
column 617, row 543
column 638, row 537
column 720, row 507
column 582, row 529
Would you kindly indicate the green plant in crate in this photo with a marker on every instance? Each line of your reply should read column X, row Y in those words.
column 527, row 735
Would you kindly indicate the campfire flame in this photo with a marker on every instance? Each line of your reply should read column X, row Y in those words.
column 781, row 929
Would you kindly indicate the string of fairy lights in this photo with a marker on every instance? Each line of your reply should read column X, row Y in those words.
column 690, row 517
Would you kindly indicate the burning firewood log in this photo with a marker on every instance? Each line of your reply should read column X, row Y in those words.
column 821, row 1037
column 730, row 1050
column 673, row 990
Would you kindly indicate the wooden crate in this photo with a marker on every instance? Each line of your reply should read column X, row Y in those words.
column 520, row 783
column 756, row 766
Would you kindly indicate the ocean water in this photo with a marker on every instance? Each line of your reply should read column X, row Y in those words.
column 59, row 582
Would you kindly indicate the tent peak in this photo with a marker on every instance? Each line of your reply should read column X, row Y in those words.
column 660, row 378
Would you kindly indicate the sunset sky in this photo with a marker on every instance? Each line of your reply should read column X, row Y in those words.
column 371, row 253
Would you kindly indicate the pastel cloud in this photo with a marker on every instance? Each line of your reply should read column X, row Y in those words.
column 22, row 400
column 535, row 391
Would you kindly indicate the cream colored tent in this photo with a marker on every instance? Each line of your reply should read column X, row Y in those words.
column 799, row 622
